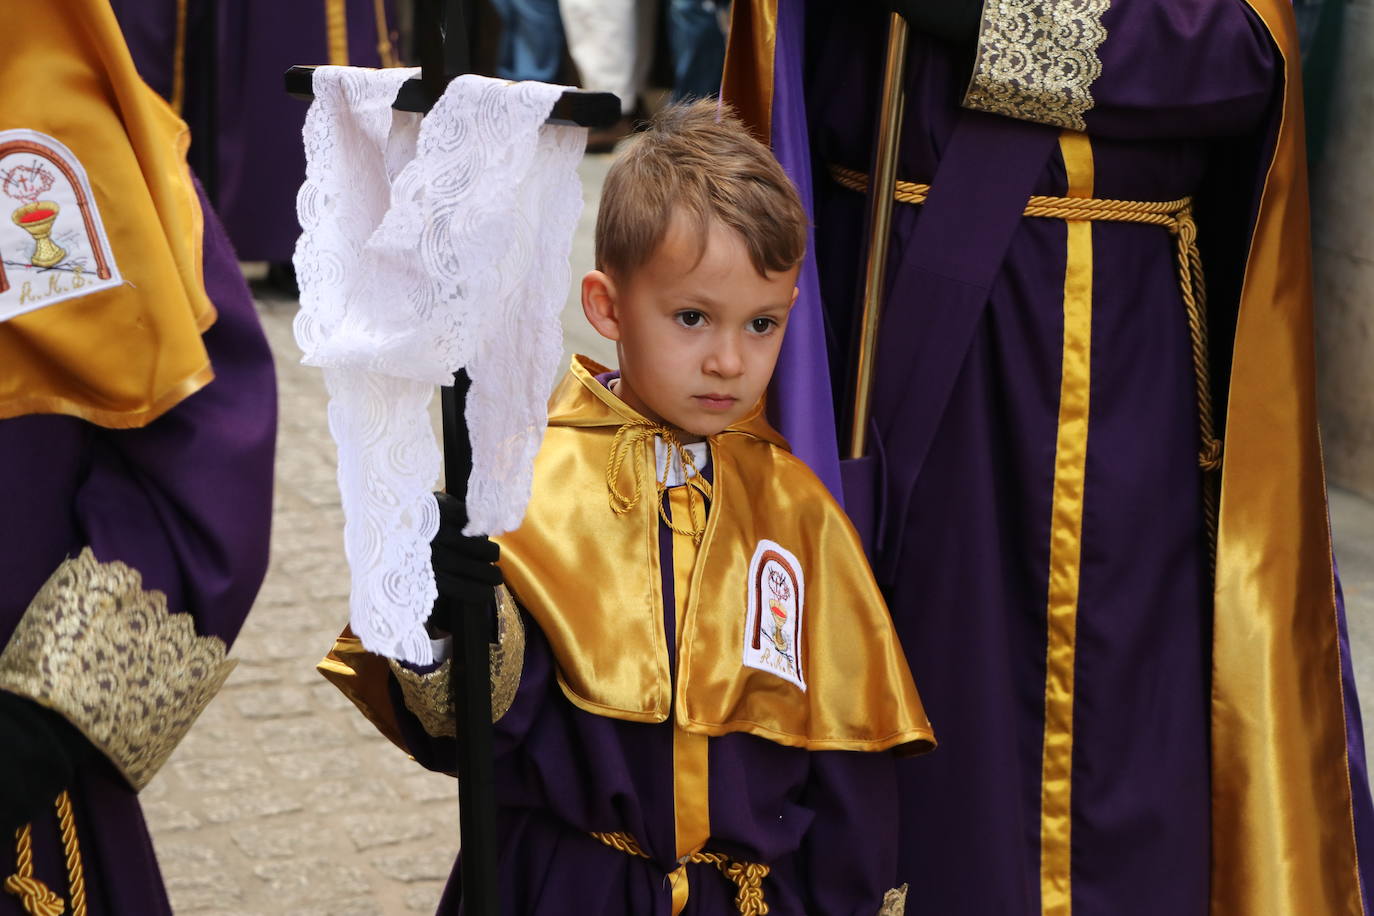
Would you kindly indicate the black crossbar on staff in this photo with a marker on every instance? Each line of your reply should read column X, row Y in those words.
column 445, row 52
column 576, row 106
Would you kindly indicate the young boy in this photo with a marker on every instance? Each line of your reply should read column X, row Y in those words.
column 708, row 672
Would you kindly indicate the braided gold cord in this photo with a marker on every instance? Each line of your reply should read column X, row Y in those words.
column 1177, row 217
column 34, row 896
column 76, row 875
column 623, row 842
column 1149, row 212
column 746, row 876
column 634, row 436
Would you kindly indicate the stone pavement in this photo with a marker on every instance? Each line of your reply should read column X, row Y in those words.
column 283, row 799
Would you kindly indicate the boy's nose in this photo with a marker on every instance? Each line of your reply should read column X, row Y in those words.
column 725, row 360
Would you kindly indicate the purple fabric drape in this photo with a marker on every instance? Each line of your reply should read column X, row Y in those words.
column 800, row 405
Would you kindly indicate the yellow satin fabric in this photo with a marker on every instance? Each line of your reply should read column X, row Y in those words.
column 336, row 31
column 118, row 357
column 591, row 579
column 1283, row 838
column 363, row 678
column 1066, row 541
column 691, row 753
column 747, row 82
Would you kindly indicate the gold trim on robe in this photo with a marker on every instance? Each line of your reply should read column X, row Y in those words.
column 609, row 641
column 691, row 753
column 747, row 81
column 1066, row 542
column 1283, row 837
column 110, row 657
column 336, row 31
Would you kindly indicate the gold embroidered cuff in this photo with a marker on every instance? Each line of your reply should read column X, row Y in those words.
column 109, row 657
column 429, row 696
column 894, row 902
column 1037, row 60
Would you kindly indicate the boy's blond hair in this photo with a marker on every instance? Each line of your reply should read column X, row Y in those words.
column 699, row 160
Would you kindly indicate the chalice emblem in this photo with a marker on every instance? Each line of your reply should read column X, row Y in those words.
column 27, row 183
column 781, row 593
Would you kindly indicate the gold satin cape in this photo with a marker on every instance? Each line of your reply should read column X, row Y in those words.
column 1283, row 837
column 118, row 357
column 591, row 579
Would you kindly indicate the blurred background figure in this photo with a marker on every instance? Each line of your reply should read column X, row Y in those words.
column 612, row 42
column 220, row 66
column 697, row 39
column 259, row 159
column 531, row 43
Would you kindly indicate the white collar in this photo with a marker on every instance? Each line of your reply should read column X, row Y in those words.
column 701, row 457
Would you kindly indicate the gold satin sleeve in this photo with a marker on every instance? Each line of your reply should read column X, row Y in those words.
column 110, row 657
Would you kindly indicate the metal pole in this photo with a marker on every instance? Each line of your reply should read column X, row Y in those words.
column 882, row 183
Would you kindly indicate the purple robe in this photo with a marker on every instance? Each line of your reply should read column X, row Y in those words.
column 260, row 160
column 186, row 502
column 822, row 821
column 966, row 545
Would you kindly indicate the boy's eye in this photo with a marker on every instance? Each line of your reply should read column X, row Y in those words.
column 690, row 318
column 762, row 325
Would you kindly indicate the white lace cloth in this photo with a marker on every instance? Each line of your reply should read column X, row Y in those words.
column 430, row 245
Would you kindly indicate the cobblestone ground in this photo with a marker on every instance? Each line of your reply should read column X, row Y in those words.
column 283, row 799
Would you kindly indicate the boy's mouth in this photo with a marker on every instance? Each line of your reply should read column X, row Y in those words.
column 715, row 401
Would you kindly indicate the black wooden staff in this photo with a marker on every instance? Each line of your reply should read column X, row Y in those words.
column 445, row 52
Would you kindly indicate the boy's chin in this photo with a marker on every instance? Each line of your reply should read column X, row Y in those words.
column 703, row 427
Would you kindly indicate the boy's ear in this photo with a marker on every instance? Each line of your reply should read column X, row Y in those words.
column 796, row 291
column 599, row 304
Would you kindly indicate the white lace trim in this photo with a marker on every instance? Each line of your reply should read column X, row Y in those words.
column 428, row 246
column 1038, row 59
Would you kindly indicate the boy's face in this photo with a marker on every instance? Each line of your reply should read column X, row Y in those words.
column 697, row 339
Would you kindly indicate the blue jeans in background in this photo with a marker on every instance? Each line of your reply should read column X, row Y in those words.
column 698, row 47
column 531, row 40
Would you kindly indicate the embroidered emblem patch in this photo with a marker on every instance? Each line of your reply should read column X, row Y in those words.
column 53, row 245
column 773, row 630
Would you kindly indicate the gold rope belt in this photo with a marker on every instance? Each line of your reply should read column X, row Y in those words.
column 34, row 896
column 1174, row 215
column 747, row 876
